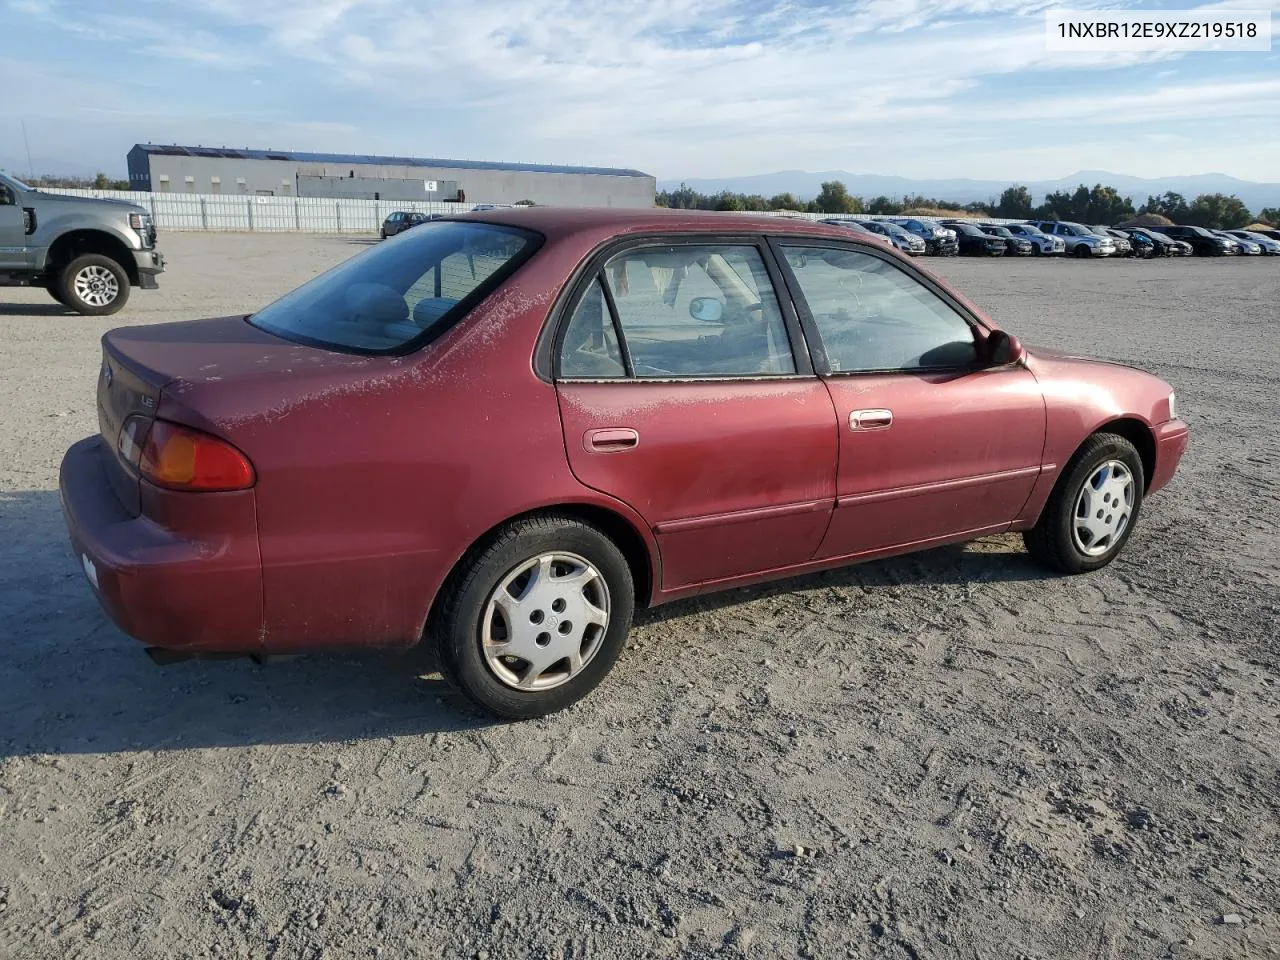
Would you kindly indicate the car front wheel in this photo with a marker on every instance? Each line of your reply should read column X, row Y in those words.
column 535, row 618
column 1093, row 507
column 93, row 285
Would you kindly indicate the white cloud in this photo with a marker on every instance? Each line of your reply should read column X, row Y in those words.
column 687, row 86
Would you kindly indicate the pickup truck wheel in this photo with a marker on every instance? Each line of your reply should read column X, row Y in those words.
column 55, row 291
column 93, row 285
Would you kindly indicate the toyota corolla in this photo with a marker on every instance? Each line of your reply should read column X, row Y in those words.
column 499, row 433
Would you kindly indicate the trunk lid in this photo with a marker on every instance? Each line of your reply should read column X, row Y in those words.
column 218, row 375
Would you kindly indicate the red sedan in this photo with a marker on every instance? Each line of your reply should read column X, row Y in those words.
column 500, row 432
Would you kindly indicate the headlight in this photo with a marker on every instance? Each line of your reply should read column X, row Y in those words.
column 1173, row 406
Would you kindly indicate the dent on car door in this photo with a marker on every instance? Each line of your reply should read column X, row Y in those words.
column 934, row 444
column 682, row 394
column 13, row 234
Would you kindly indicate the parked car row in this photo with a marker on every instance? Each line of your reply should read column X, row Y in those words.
column 1217, row 243
column 1059, row 237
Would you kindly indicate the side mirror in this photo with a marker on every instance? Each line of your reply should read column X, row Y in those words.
column 706, row 309
column 1004, row 349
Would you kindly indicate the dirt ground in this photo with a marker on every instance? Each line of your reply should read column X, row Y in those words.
column 950, row 755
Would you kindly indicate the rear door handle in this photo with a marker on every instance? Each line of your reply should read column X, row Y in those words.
column 611, row 440
column 870, row 419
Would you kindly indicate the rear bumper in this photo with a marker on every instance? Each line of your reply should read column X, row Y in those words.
column 1171, row 444
column 176, row 588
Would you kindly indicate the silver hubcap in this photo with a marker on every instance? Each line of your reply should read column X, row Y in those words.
column 97, row 286
column 1103, row 509
column 545, row 621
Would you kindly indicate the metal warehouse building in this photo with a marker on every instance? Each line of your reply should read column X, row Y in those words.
column 176, row 169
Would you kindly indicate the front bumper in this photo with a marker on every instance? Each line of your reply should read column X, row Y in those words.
column 942, row 248
column 150, row 264
column 1171, row 443
column 186, row 585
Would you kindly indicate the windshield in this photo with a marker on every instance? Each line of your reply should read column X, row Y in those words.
column 402, row 293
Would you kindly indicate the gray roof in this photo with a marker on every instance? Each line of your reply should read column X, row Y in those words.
column 173, row 150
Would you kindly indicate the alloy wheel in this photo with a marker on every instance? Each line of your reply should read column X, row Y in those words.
column 96, row 286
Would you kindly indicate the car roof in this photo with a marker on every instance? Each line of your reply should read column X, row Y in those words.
column 572, row 219
column 558, row 222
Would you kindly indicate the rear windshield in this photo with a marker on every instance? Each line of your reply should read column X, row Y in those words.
column 403, row 292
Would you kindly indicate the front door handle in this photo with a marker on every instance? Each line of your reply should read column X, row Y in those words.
column 611, row 440
column 870, row 419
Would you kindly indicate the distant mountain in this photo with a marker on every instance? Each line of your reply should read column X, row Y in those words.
column 805, row 185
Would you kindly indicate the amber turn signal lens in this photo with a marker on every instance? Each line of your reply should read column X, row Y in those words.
column 179, row 458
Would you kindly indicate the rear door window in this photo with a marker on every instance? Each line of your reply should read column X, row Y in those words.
column 680, row 310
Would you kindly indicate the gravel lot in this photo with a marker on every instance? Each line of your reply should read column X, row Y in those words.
column 947, row 755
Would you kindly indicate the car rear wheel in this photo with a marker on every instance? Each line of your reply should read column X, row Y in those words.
column 1093, row 508
column 535, row 618
column 93, row 285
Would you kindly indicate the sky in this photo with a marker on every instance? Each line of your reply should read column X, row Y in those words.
column 677, row 88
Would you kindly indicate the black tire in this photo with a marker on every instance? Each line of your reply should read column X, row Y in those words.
column 456, row 631
column 56, row 292
column 66, row 283
column 1051, row 541
column 1081, row 251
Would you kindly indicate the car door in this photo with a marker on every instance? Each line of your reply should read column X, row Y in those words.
column 934, row 444
column 13, row 233
column 685, row 392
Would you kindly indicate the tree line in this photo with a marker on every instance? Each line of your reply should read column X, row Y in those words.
column 1097, row 204
column 99, row 182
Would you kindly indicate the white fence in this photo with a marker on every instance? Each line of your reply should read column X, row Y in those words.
column 240, row 213
column 217, row 212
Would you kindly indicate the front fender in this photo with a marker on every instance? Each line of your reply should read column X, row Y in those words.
column 1084, row 396
column 50, row 228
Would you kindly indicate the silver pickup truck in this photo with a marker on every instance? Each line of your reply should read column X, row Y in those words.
column 87, row 253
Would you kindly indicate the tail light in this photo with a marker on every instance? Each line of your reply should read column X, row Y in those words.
column 179, row 458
